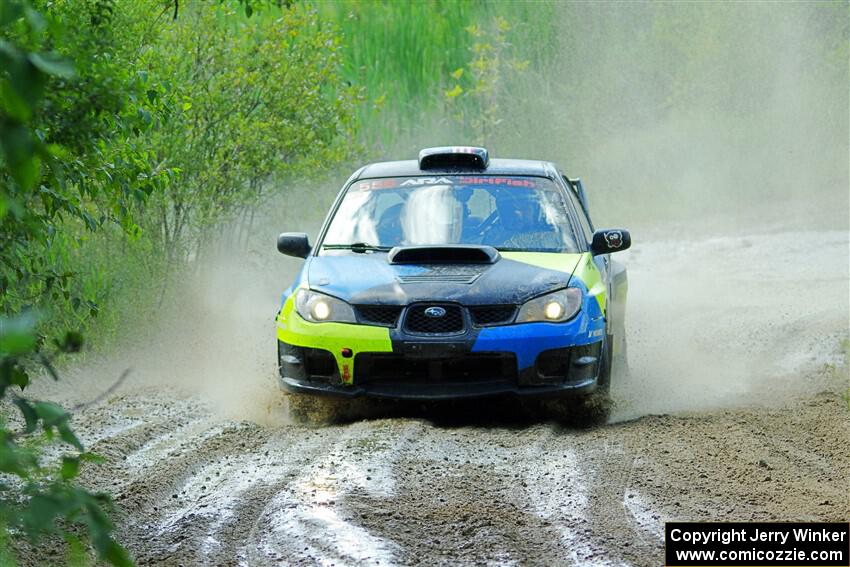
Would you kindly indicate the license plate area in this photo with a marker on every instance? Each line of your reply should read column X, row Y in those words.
column 414, row 349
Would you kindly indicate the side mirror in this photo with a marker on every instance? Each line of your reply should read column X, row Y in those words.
column 293, row 244
column 609, row 240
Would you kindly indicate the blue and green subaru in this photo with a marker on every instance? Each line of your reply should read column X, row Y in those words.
column 454, row 276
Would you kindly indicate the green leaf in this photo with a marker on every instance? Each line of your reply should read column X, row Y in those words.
column 92, row 458
column 70, row 467
column 19, row 377
column 25, row 79
column 17, row 336
column 40, row 513
column 20, row 149
column 52, row 414
column 73, row 341
column 9, row 12
column 67, row 435
column 14, row 104
column 29, row 413
column 53, row 64
column 117, row 555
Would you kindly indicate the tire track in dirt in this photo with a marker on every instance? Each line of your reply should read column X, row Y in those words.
column 459, row 499
column 581, row 482
column 308, row 521
column 416, row 491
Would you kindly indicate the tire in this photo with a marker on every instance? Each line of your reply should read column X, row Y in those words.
column 583, row 411
column 311, row 409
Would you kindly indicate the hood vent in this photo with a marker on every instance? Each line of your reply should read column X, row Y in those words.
column 458, row 254
column 439, row 278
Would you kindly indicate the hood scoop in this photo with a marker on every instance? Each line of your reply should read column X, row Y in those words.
column 456, row 254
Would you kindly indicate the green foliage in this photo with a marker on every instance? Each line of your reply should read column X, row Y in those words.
column 402, row 55
column 74, row 156
column 64, row 102
column 127, row 130
column 38, row 495
column 243, row 111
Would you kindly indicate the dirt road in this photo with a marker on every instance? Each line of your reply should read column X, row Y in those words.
column 734, row 411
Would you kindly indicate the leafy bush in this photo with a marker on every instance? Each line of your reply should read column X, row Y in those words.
column 127, row 130
column 253, row 101
column 53, row 147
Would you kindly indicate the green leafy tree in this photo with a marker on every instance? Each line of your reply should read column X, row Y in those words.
column 74, row 120
column 254, row 100
column 71, row 157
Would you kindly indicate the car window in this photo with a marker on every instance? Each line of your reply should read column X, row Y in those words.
column 509, row 213
column 584, row 221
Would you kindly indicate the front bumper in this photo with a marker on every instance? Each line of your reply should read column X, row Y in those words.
column 528, row 359
column 401, row 391
column 440, row 371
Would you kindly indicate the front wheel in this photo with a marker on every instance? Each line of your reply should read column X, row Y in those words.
column 587, row 410
column 312, row 409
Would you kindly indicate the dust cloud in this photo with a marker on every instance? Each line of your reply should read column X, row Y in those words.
column 721, row 322
column 214, row 339
column 718, row 133
column 718, row 116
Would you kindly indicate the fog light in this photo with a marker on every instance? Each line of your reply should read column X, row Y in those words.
column 553, row 310
column 321, row 310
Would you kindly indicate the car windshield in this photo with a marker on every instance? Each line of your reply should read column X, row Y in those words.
column 508, row 213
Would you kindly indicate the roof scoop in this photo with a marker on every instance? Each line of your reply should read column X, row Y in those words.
column 448, row 254
column 449, row 157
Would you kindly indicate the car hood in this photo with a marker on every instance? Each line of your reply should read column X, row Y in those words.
column 364, row 279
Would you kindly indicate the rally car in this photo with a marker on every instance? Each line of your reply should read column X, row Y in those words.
column 454, row 276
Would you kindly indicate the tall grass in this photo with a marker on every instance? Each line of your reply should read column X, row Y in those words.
column 402, row 55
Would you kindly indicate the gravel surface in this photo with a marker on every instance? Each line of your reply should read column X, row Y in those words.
column 734, row 410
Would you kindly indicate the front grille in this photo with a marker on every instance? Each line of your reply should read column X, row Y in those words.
column 450, row 323
column 492, row 315
column 379, row 368
column 383, row 315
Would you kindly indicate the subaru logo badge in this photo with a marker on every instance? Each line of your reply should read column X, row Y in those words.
column 435, row 312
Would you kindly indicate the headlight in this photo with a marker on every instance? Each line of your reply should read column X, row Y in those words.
column 553, row 307
column 321, row 308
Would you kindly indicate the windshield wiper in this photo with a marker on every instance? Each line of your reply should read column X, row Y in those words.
column 501, row 249
column 359, row 247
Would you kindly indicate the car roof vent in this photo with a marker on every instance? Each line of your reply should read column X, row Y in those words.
column 450, row 157
column 458, row 254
